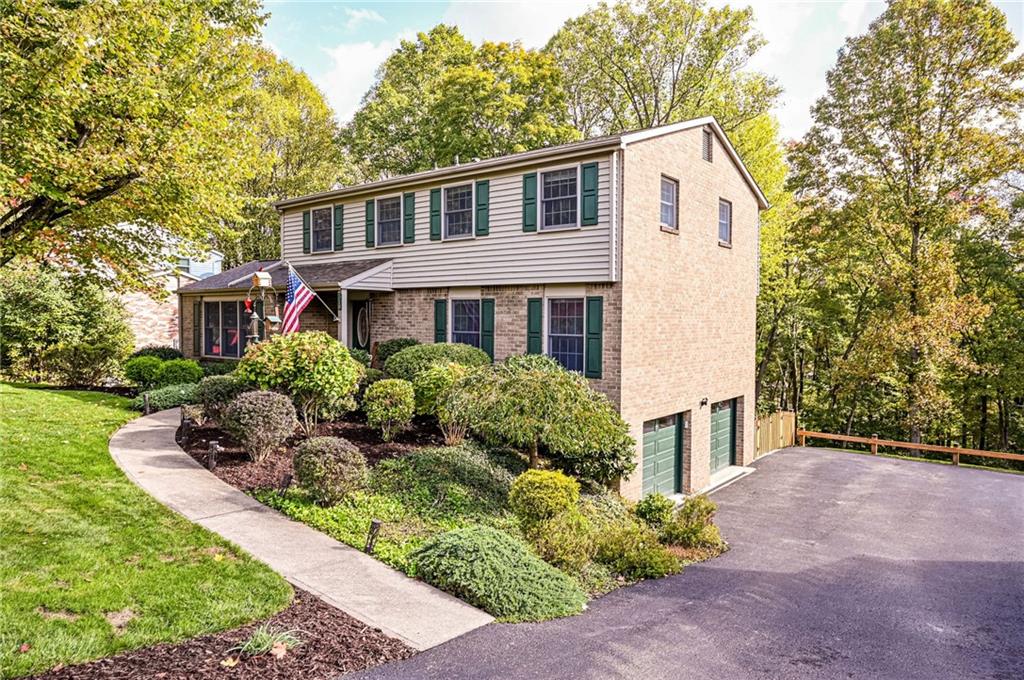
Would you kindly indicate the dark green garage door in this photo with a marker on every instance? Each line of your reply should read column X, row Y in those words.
column 723, row 434
column 661, row 456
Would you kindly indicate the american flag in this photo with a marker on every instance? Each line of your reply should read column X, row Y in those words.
column 299, row 295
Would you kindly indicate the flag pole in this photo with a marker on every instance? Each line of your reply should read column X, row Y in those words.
column 291, row 269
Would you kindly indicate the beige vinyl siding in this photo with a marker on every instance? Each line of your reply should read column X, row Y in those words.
column 507, row 255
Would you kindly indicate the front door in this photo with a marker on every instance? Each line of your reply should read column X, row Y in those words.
column 661, row 456
column 360, row 324
column 723, row 435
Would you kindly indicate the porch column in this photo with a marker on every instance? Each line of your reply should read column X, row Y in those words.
column 343, row 324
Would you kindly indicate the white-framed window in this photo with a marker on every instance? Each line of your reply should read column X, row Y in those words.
column 458, row 211
column 708, row 146
column 669, row 203
column 565, row 331
column 466, row 322
column 560, row 198
column 724, row 222
column 321, row 228
column 389, row 221
column 225, row 325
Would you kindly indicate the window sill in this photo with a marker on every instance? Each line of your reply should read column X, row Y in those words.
column 669, row 230
column 571, row 227
column 725, row 244
column 322, row 252
column 464, row 237
column 388, row 245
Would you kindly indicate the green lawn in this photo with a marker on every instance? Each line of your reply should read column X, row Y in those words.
column 82, row 545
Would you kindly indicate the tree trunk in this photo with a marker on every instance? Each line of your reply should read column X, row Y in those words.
column 913, row 368
column 983, row 423
column 1004, row 424
column 534, row 456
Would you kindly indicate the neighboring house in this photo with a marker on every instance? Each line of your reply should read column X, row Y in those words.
column 155, row 321
column 631, row 258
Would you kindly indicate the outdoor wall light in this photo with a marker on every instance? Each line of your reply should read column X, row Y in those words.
column 704, row 401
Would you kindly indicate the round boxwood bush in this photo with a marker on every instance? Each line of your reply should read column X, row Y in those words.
column 161, row 352
column 167, row 397
column 655, row 510
column 498, row 573
column 371, row 376
column 143, row 370
column 565, row 540
column 389, row 348
column 216, row 392
column 389, row 405
column 433, row 387
column 692, row 527
column 538, row 495
column 260, row 421
column 411, row 360
column 178, row 372
column 329, row 468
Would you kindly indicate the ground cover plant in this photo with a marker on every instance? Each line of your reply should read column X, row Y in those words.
column 90, row 565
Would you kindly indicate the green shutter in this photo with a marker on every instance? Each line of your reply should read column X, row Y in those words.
column 588, row 213
column 370, row 224
column 435, row 214
column 305, row 231
column 534, row 332
column 409, row 216
column 530, row 202
column 197, row 328
column 483, row 208
column 487, row 326
column 595, row 322
column 339, row 227
column 440, row 320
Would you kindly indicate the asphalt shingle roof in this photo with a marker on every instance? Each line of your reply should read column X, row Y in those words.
column 325, row 275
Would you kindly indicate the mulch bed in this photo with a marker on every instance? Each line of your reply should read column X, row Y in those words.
column 332, row 642
column 235, row 467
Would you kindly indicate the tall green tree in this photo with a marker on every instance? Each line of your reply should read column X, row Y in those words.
column 299, row 152
column 120, row 128
column 921, row 118
column 439, row 99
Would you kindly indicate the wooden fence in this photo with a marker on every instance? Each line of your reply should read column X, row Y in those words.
column 775, row 431
column 874, row 442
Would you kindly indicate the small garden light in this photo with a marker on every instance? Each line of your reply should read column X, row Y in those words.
column 371, row 537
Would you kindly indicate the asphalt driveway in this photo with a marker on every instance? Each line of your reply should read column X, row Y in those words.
column 842, row 566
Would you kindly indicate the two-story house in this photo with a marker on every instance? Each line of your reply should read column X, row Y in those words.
column 632, row 258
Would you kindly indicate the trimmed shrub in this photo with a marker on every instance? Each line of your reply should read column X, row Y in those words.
column 407, row 363
column 360, row 355
column 565, row 540
column 492, row 570
column 221, row 367
column 531, row 403
column 433, row 387
column 161, row 352
column 312, row 367
column 538, row 495
column 86, row 363
column 142, row 370
column 692, row 526
column 389, row 405
column 604, row 509
column 170, row 396
column 216, row 392
column 260, row 421
column 329, row 468
column 389, row 348
column 371, row 376
column 633, row 552
column 655, row 510
column 178, row 372
column 446, row 481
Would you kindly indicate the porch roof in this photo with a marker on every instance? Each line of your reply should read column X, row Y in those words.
column 324, row 276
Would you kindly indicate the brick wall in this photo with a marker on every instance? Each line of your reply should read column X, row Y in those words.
column 688, row 303
column 153, row 321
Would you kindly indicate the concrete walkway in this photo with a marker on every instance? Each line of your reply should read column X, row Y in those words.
column 355, row 583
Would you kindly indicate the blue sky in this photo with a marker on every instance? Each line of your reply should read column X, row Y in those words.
column 340, row 44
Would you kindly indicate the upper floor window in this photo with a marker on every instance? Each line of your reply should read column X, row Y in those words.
column 565, row 332
column 709, row 146
column 458, row 211
column 559, row 198
column 183, row 264
column 322, row 230
column 669, row 203
column 466, row 322
column 724, row 222
column 389, row 221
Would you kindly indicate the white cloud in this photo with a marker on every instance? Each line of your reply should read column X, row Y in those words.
column 358, row 17
column 352, row 71
column 532, row 23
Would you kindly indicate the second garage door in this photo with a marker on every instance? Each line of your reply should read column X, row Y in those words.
column 723, row 434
